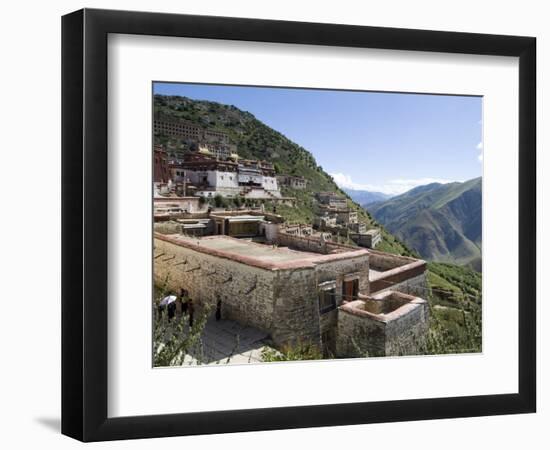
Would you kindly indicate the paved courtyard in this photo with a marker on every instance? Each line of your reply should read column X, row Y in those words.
column 228, row 342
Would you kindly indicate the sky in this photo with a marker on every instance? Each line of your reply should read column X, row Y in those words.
column 375, row 141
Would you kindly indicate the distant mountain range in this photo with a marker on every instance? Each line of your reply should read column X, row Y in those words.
column 365, row 198
column 442, row 222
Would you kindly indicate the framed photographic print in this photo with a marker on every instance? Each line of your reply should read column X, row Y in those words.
column 273, row 224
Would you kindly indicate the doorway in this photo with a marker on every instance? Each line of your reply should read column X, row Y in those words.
column 350, row 290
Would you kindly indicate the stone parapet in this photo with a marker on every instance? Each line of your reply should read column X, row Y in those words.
column 387, row 324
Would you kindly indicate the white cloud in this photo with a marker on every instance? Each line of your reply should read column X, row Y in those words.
column 345, row 181
column 480, row 148
column 392, row 187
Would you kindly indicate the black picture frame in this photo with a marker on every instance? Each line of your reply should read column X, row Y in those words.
column 84, row 224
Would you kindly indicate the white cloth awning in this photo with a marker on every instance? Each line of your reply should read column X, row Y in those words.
column 167, row 300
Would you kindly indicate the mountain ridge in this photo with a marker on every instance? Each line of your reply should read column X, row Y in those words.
column 365, row 198
column 442, row 222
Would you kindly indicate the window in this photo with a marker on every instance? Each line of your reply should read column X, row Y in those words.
column 327, row 297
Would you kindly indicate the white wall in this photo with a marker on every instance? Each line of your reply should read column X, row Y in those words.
column 215, row 179
column 269, row 183
column 30, row 388
column 224, row 179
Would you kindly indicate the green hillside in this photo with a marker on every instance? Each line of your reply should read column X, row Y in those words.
column 255, row 140
column 455, row 309
column 442, row 222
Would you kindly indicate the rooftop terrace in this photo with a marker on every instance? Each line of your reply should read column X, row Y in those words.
column 386, row 269
column 256, row 254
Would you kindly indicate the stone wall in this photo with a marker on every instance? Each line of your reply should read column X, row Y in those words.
column 357, row 267
column 358, row 337
column 366, row 239
column 398, row 273
column 398, row 328
column 338, row 271
column 246, row 292
column 311, row 244
column 296, row 308
column 329, row 330
column 406, row 335
column 416, row 285
column 283, row 302
column 168, row 227
column 387, row 261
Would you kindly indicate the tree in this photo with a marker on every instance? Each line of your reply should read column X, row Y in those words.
column 219, row 201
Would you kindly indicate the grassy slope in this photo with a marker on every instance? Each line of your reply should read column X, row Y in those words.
column 455, row 308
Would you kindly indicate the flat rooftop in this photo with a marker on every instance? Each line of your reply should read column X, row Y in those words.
column 374, row 274
column 245, row 218
column 174, row 199
column 257, row 254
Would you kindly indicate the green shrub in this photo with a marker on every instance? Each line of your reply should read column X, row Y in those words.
column 219, row 201
column 300, row 351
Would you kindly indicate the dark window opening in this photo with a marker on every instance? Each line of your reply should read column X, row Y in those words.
column 327, row 300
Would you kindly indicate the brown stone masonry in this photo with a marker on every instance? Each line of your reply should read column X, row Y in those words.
column 387, row 324
column 397, row 275
column 390, row 270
